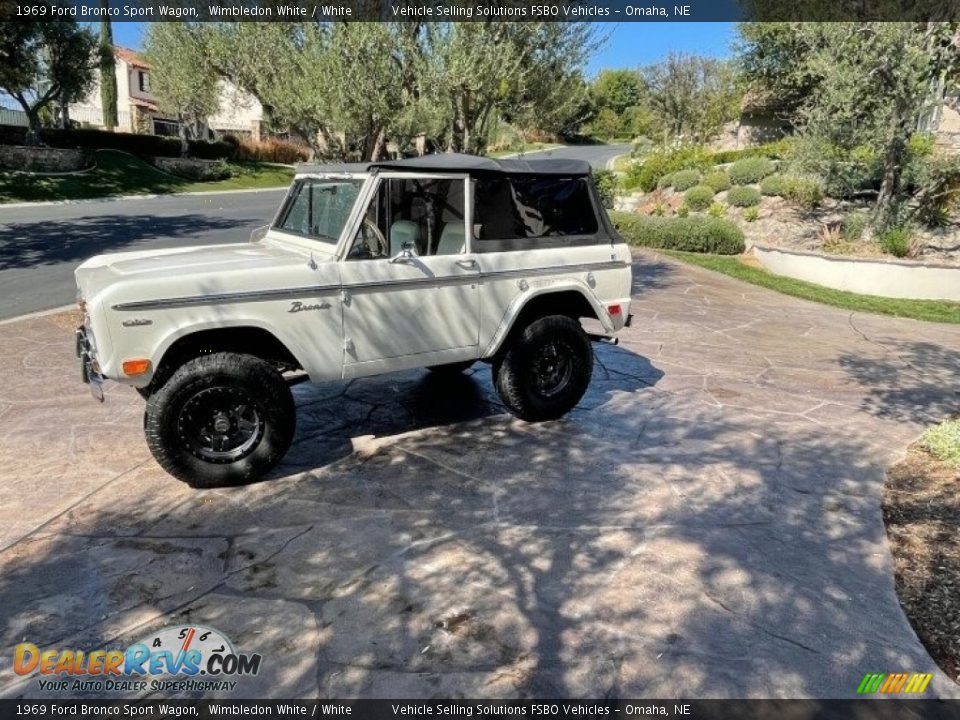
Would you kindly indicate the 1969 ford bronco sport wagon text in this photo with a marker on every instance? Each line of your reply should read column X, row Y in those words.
column 433, row 262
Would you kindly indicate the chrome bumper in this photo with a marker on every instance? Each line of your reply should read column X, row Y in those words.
column 89, row 368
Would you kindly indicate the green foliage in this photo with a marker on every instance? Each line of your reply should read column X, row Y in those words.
column 108, row 76
column 844, row 171
column 200, row 171
column 936, row 183
column 896, row 241
column 699, row 197
column 773, row 185
column 647, row 174
column 803, row 192
column 852, row 225
column 776, row 150
column 717, row 210
column 943, row 441
column 750, row 170
column 606, row 182
column 684, row 179
column 665, row 182
column 683, row 210
column 691, row 234
column 617, row 90
column 219, row 150
column 718, row 180
column 751, row 214
column 742, row 196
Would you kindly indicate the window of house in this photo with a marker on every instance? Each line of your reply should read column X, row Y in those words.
column 144, row 81
column 521, row 207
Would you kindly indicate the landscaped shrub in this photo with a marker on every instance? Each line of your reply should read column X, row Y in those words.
column 141, row 145
column 751, row 214
column 803, row 192
column 646, row 175
column 773, row 185
column 750, row 170
column 685, row 179
column 270, row 150
column 665, row 182
column 896, row 241
column 606, row 182
column 776, row 150
column 852, row 225
column 690, row 234
column 717, row 179
column 683, row 210
column 717, row 210
column 220, row 150
column 194, row 169
column 699, row 197
column 743, row 196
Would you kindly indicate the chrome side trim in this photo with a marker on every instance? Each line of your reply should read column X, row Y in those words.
column 314, row 290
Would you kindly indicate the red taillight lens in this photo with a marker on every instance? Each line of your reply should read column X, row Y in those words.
column 614, row 309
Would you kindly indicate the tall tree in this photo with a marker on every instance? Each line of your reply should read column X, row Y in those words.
column 182, row 76
column 695, row 95
column 45, row 61
column 108, row 76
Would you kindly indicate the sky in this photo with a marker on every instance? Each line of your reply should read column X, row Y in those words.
column 628, row 45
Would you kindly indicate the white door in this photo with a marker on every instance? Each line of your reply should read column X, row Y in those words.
column 410, row 283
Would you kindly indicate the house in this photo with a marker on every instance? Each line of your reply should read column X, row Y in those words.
column 139, row 112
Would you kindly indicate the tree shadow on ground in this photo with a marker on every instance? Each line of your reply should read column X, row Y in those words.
column 44, row 243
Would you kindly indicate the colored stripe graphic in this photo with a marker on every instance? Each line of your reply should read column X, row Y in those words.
column 894, row 683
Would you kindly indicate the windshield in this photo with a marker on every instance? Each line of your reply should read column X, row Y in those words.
column 318, row 208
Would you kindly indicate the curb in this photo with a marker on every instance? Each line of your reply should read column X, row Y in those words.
column 38, row 314
column 114, row 198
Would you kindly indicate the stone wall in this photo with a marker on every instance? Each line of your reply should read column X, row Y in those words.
column 44, row 159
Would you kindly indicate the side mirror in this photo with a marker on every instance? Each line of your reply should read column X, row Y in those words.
column 259, row 233
column 405, row 255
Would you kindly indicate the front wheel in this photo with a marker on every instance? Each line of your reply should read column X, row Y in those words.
column 220, row 420
column 546, row 369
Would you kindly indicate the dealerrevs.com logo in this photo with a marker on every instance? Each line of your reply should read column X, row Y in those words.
column 178, row 658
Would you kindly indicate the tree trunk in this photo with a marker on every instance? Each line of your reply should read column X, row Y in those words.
column 378, row 146
column 893, row 162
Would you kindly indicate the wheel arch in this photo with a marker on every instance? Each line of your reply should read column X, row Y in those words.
column 570, row 300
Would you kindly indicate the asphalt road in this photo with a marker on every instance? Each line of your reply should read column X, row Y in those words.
column 41, row 245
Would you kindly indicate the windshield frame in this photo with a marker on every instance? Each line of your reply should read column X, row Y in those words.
column 327, row 244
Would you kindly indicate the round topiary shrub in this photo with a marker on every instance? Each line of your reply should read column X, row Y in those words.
column 773, row 185
column 699, row 197
column 684, row 179
column 750, row 170
column 665, row 182
column 718, row 180
column 803, row 192
column 743, row 196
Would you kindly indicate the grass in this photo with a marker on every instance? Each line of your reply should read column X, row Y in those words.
column 921, row 510
column 943, row 442
column 118, row 173
column 929, row 310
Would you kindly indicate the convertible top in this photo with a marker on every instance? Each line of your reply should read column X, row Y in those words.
column 455, row 162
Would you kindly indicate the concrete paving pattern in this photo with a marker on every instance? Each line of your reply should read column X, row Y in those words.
column 706, row 524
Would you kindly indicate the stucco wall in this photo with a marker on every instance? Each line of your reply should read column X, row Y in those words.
column 895, row 279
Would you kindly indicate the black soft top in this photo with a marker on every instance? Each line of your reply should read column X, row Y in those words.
column 455, row 162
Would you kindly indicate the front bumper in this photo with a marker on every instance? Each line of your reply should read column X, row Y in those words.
column 89, row 367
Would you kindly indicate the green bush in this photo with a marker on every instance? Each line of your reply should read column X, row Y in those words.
column 683, row 210
column 775, row 151
column 803, row 192
column 220, row 150
column 751, row 214
column 896, row 241
column 606, row 182
column 684, row 179
column 743, row 196
column 647, row 174
column 773, row 185
column 717, row 210
column 689, row 234
column 665, row 182
column 699, row 197
column 718, row 180
column 852, row 225
column 943, row 441
column 750, row 170
column 141, row 145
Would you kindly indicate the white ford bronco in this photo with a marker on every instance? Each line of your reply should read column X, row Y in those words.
column 434, row 262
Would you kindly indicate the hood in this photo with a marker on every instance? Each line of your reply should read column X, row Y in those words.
column 101, row 271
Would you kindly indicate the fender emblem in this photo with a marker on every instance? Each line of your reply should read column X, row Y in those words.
column 136, row 322
column 297, row 306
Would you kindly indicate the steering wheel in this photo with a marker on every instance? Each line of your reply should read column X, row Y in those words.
column 370, row 226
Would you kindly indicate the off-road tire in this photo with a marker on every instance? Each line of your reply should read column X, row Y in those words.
column 451, row 368
column 516, row 375
column 224, row 378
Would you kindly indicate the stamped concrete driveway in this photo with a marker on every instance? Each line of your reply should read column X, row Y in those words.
column 706, row 524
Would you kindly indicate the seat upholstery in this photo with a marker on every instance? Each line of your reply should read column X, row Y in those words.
column 403, row 231
column 452, row 239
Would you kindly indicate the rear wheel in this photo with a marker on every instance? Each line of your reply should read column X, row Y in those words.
column 546, row 369
column 220, row 420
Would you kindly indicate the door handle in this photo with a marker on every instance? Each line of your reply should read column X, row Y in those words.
column 468, row 264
